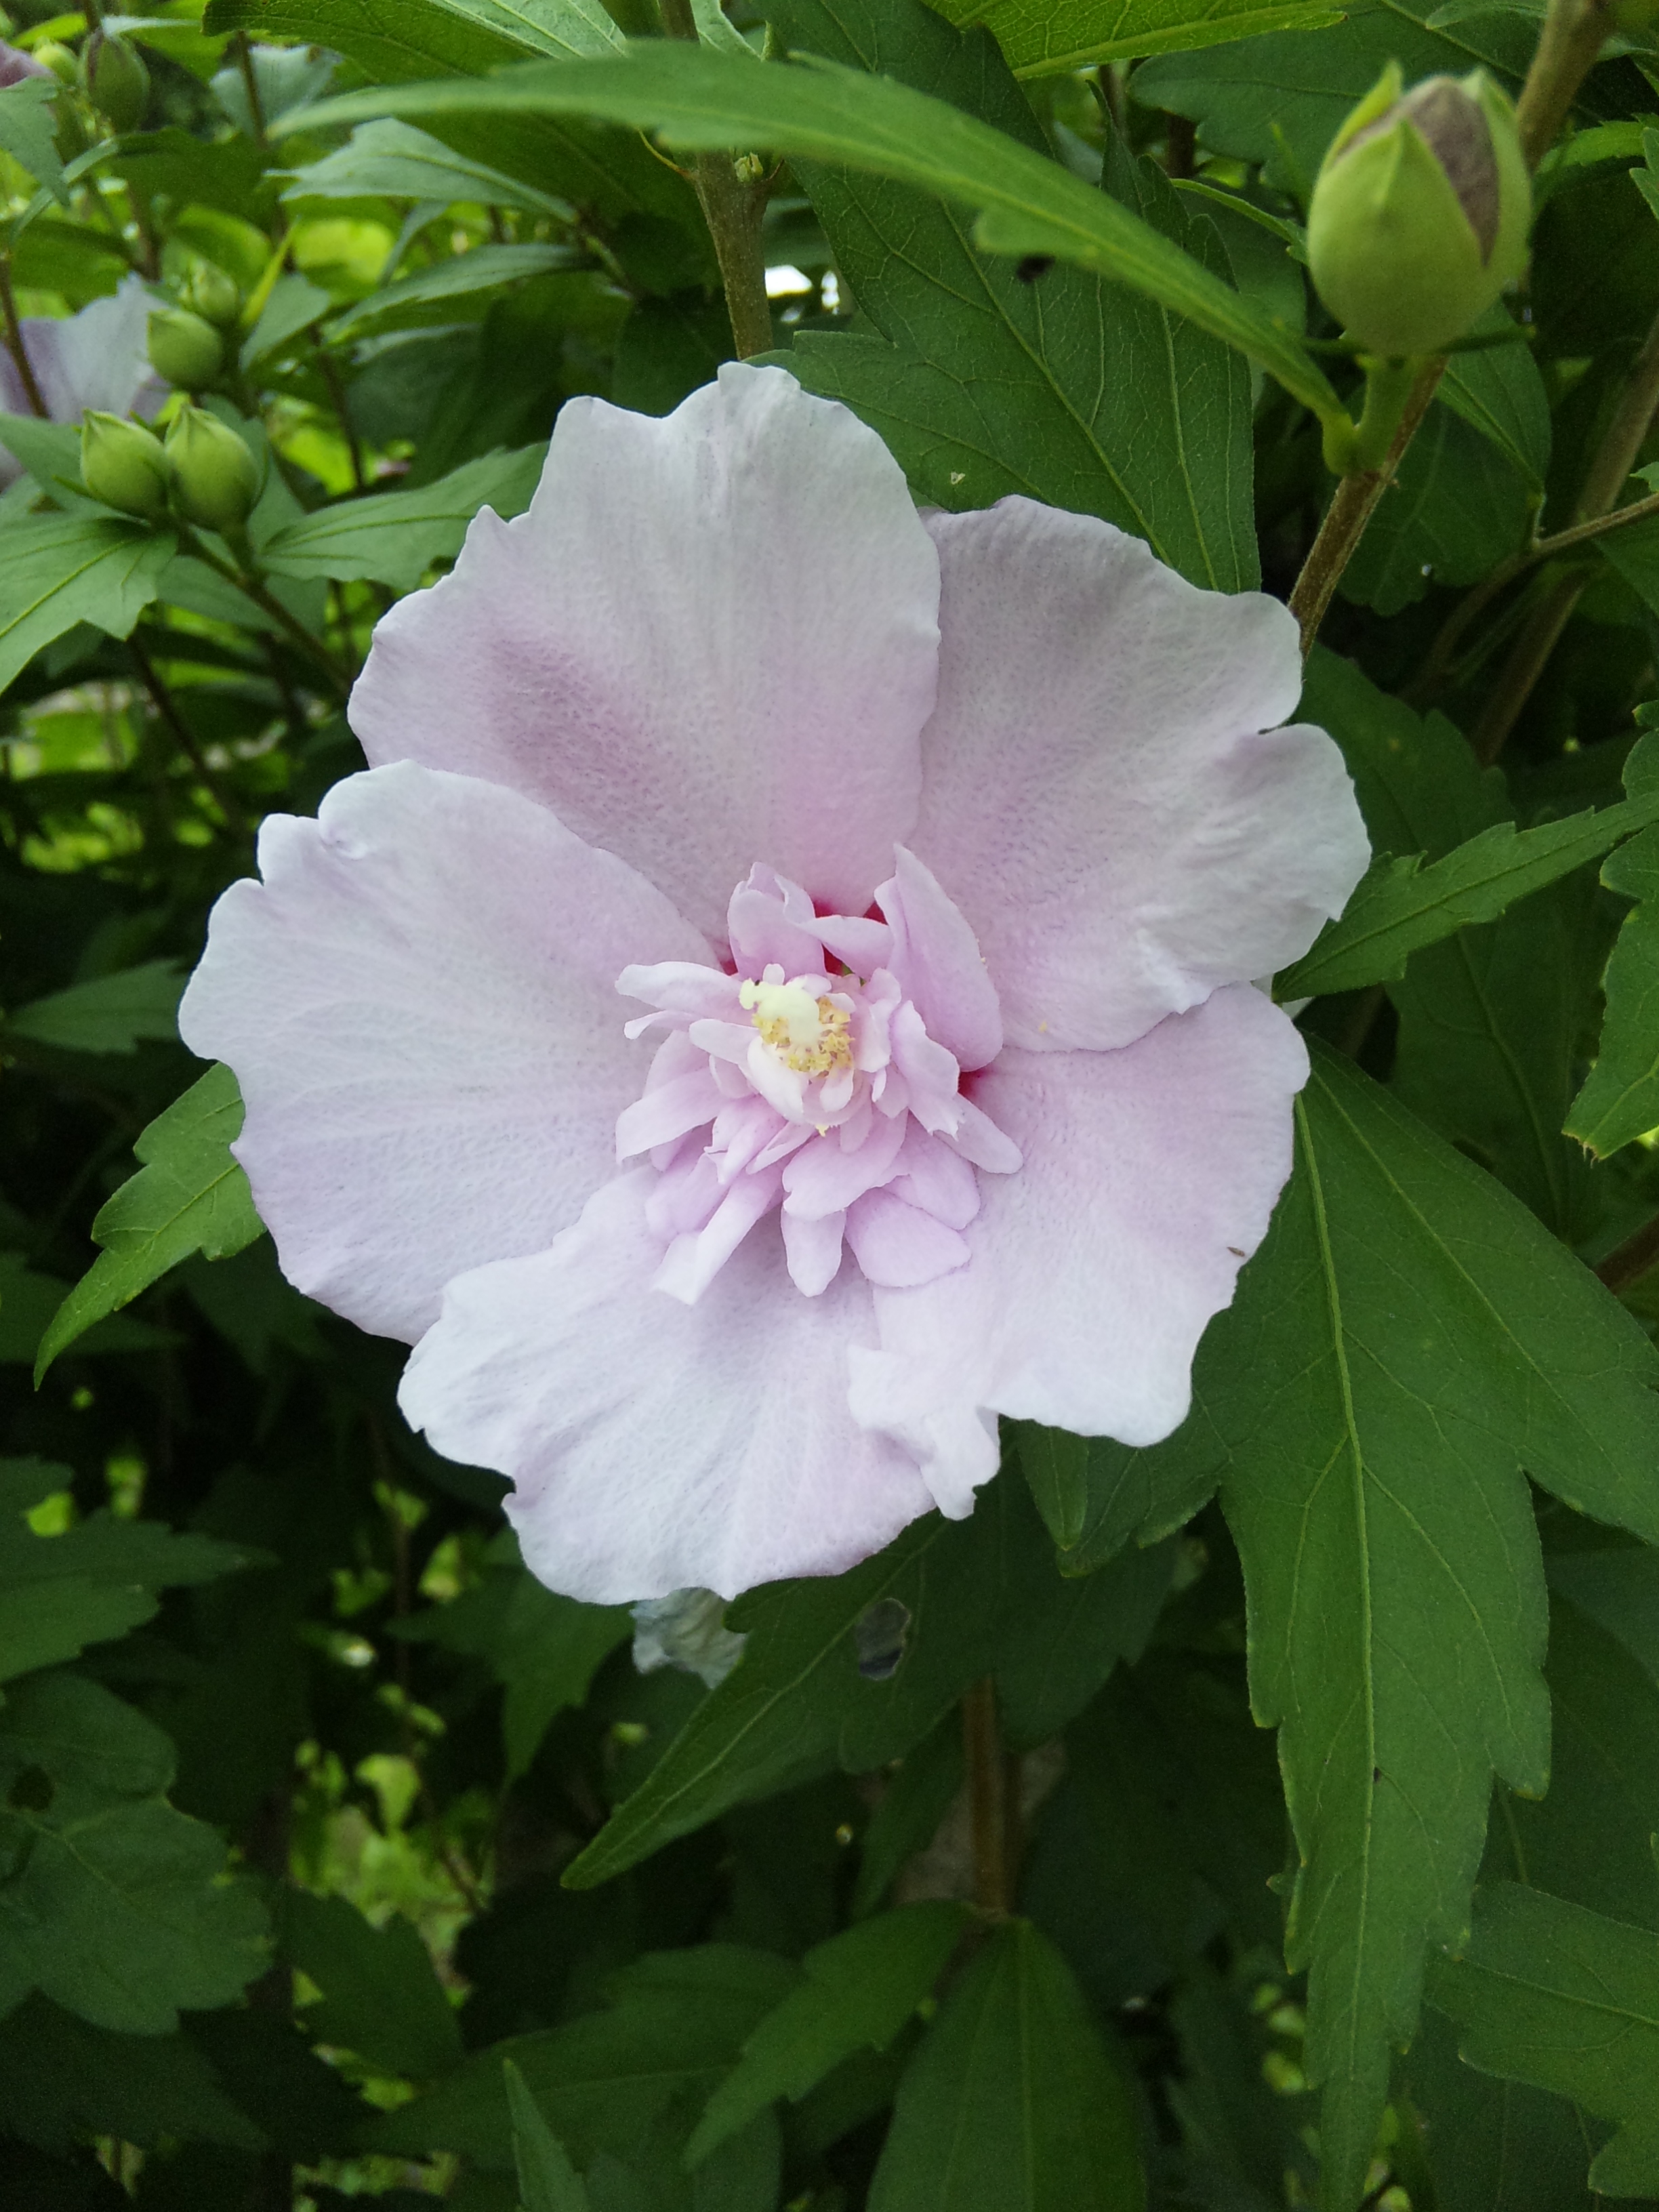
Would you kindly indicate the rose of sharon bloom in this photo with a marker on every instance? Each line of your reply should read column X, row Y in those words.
column 99, row 358
column 16, row 67
column 780, row 997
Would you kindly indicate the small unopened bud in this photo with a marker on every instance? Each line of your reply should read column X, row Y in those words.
column 185, row 349
column 1419, row 213
column 215, row 478
column 214, row 294
column 123, row 464
column 115, row 79
column 57, row 60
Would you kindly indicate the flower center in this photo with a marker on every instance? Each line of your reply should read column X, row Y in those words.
column 819, row 1078
column 809, row 1035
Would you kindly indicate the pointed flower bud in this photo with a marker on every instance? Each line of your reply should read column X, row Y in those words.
column 123, row 464
column 185, row 349
column 214, row 294
column 1419, row 213
column 57, row 60
column 215, row 478
column 115, row 79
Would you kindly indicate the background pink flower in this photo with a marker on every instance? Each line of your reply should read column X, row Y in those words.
column 934, row 856
column 99, row 358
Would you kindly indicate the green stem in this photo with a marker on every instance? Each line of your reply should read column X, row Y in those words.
column 1626, row 1264
column 1346, row 518
column 1571, row 37
column 252, row 588
column 1444, row 651
column 167, row 708
column 993, row 1802
column 734, row 206
column 13, row 341
column 1604, row 478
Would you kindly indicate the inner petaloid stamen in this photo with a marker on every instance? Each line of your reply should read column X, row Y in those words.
column 812, row 1082
column 809, row 1033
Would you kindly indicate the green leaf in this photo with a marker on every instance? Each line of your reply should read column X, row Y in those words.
column 112, row 1013
column 862, row 1987
column 1456, row 508
column 28, row 128
column 1066, row 390
column 96, row 1580
column 63, row 2080
column 1277, row 100
column 547, row 2181
column 1547, row 1993
column 696, row 98
column 189, row 1196
column 112, row 1902
column 1589, row 1838
column 563, row 29
column 394, row 537
column 1620, row 1101
column 947, row 1602
column 294, row 304
column 51, row 452
column 380, row 1996
column 1408, row 1340
column 393, row 160
column 542, row 1648
column 609, row 2081
column 1012, row 2105
column 484, row 268
column 1500, row 391
column 1494, row 2145
column 29, row 1301
column 607, row 173
column 57, row 570
column 1402, row 905
column 1045, row 38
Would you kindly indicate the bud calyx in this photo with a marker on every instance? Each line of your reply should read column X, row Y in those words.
column 215, row 478
column 123, row 464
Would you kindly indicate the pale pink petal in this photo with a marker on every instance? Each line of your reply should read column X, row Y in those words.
column 899, row 1246
column 666, row 1111
column 680, row 987
column 978, row 1139
column 99, row 358
column 812, row 1247
column 694, row 1258
column 933, row 1177
column 419, row 1003
column 772, row 919
column 1099, row 796
column 656, row 1445
column 1149, row 1178
column 711, row 641
column 825, row 1177
column 936, row 961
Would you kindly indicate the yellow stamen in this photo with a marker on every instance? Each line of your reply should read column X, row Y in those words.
column 808, row 1034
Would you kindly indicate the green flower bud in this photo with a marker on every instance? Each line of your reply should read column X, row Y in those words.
column 215, row 478
column 58, row 59
column 1419, row 213
column 214, row 296
column 123, row 464
column 115, row 79
column 185, row 349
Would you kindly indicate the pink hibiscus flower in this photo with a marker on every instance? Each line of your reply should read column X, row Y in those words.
column 931, row 856
column 99, row 358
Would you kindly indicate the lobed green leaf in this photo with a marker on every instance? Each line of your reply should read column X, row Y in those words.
column 189, row 1196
